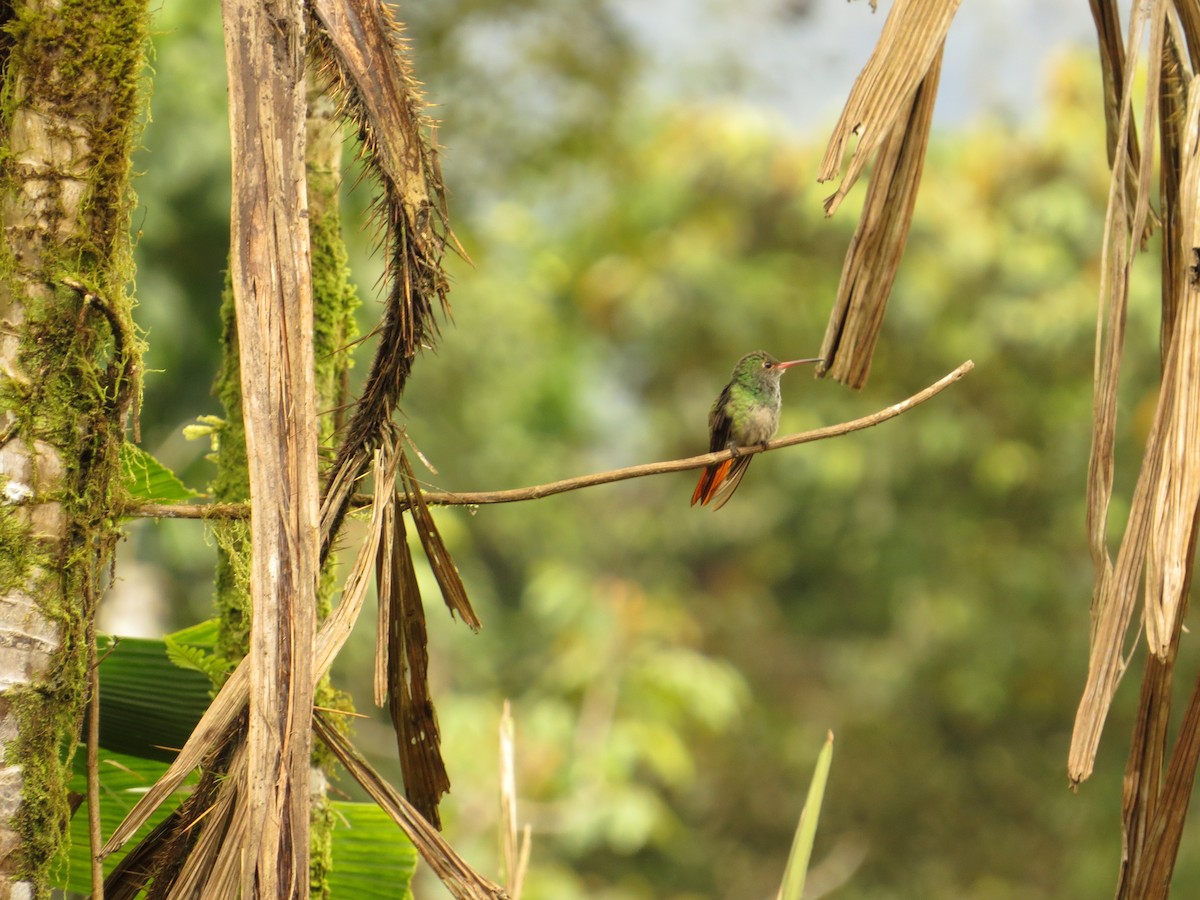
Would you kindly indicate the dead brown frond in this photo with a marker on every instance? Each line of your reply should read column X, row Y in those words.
column 223, row 714
column 402, row 672
column 1157, row 550
column 154, row 864
column 454, row 592
column 1120, row 131
column 1147, row 873
column 460, row 879
column 1114, row 594
column 359, row 48
column 878, row 243
column 1168, row 568
column 890, row 108
column 1144, row 769
column 911, row 41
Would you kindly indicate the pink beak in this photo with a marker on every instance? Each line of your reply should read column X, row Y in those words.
column 799, row 362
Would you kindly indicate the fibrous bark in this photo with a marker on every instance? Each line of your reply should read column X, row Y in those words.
column 68, row 373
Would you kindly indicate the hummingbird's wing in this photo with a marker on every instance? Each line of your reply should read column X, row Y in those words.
column 714, row 477
column 720, row 423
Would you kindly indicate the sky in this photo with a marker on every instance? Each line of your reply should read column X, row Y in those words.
column 803, row 66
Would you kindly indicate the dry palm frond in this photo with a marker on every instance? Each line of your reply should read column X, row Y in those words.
column 890, row 107
column 1121, row 134
column 161, row 854
column 223, row 713
column 1115, row 599
column 214, row 867
column 460, row 879
column 360, row 50
column 1149, row 874
column 444, row 570
column 874, row 255
column 1189, row 25
column 912, row 39
column 1144, row 769
column 1114, row 595
column 1168, row 567
column 1124, row 215
column 402, row 671
column 1172, row 102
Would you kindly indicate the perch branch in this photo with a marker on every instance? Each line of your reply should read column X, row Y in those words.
column 537, row 491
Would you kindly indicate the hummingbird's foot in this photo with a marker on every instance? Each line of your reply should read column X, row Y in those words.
column 737, row 453
column 766, row 445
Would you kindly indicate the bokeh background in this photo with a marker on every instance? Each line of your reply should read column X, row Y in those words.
column 634, row 185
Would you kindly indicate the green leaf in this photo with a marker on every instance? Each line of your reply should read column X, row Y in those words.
column 372, row 858
column 186, row 656
column 202, row 634
column 123, row 780
column 148, row 705
column 797, row 866
column 194, row 648
column 145, row 478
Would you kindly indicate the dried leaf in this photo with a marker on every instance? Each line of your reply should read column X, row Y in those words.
column 1115, row 589
column 360, row 49
column 414, row 719
column 460, row 879
column 230, row 701
column 1143, row 772
column 1172, row 102
column 911, row 40
column 217, row 863
column 1152, row 876
column 878, row 244
column 454, row 592
column 1121, row 220
column 1115, row 600
column 385, row 589
column 1114, row 71
column 1189, row 25
column 516, row 844
column 1177, row 497
column 161, row 854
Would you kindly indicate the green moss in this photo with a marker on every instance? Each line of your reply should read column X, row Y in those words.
column 334, row 302
column 79, row 66
column 320, row 848
column 231, row 485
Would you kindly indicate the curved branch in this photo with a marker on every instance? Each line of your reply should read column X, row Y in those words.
column 537, row 491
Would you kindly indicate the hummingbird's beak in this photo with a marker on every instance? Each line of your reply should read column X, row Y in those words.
column 799, row 362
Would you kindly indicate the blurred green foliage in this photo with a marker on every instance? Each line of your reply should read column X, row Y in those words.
column 921, row 588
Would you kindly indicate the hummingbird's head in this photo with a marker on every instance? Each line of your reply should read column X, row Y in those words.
column 762, row 365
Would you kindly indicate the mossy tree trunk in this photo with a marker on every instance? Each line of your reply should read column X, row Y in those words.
column 68, row 373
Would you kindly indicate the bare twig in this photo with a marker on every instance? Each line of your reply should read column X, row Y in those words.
column 95, row 837
column 514, row 843
column 537, row 491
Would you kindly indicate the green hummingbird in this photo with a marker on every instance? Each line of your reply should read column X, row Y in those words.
column 746, row 413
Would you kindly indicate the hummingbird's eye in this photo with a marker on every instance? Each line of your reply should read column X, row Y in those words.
column 767, row 364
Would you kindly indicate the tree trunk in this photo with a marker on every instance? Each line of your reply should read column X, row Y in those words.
column 68, row 371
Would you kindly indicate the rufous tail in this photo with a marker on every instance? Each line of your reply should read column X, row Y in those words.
column 710, row 480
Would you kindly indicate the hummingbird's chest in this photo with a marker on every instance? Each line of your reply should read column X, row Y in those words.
column 759, row 425
column 756, row 417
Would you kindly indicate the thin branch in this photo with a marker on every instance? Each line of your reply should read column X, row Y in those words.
column 136, row 510
column 95, row 838
column 537, row 491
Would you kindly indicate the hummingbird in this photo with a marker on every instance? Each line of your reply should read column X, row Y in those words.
column 746, row 413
